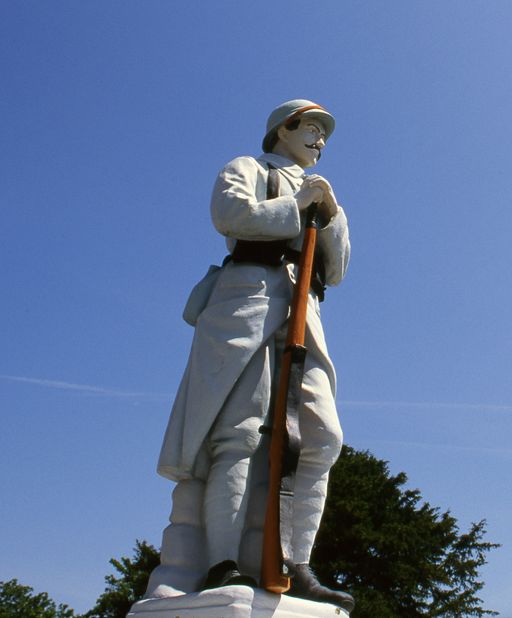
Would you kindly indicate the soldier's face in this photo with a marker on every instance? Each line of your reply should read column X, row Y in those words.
column 303, row 145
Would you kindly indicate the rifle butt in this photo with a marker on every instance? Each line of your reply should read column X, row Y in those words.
column 272, row 578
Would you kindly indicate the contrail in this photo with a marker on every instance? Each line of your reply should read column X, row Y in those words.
column 450, row 447
column 426, row 404
column 112, row 392
column 86, row 388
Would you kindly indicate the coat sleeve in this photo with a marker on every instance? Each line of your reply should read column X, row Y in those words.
column 334, row 246
column 238, row 213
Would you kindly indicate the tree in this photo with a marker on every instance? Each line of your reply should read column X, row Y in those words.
column 398, row 556
column 122, row 592
column 18, row 601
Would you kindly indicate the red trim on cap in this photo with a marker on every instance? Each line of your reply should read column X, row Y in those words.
column 301, row 111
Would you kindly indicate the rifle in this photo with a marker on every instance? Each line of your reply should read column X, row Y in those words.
column 285, row 443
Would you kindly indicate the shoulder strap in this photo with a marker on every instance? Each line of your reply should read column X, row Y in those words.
column 273, row 184
column 269, row 252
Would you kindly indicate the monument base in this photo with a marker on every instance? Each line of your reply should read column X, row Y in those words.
column 230, row 602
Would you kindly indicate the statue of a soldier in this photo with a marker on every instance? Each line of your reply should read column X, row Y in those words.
column 214, row 447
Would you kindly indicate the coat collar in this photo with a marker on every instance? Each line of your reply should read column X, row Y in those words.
column 288, row 168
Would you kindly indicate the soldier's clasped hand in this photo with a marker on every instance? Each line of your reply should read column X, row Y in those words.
column 317, row 189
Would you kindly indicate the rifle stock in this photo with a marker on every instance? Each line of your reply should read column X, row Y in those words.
column 274, row 576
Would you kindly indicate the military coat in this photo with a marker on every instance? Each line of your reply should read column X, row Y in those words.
column 248, row 303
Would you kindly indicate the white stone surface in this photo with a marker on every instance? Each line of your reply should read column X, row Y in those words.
column 232, row 602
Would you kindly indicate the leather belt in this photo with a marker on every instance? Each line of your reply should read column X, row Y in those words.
column 276, row 253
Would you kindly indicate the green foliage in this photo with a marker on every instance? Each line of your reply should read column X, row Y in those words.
column 18, row 601
column 399, row 557
column 122, row 592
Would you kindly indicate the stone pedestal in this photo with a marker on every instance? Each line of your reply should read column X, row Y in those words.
column 231, row 602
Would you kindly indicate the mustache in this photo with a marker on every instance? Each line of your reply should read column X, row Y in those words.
column 314, row 147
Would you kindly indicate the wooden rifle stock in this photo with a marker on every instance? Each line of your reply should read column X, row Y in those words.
column 273, row 569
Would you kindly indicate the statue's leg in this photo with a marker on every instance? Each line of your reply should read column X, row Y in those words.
column 182, row 563
column 321, row 444
column 321, row 437
column 232, row 443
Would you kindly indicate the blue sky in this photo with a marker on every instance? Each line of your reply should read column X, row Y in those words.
column 116, row 117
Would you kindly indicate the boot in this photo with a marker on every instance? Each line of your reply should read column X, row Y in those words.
column 226, row 573
column 305, row 585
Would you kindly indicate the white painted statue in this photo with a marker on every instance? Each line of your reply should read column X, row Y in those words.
column 213, row 447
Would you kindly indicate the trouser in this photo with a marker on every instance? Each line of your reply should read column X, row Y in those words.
column 239, row 457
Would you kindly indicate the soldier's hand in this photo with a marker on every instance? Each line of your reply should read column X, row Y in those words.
column 307, row 194
column 328, row 204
